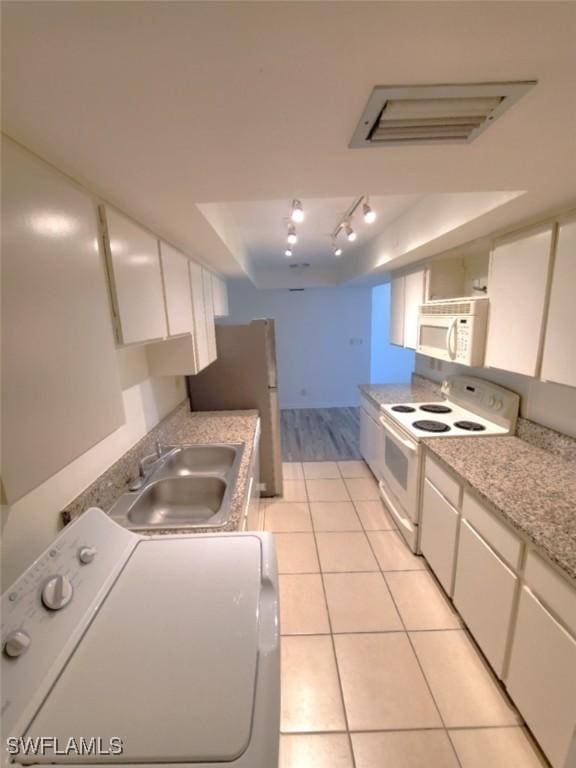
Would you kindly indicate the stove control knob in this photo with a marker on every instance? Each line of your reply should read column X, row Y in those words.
column 491, row 401
column 57, row 592
column 86, row 554
column 497, row 405
column 16, row 643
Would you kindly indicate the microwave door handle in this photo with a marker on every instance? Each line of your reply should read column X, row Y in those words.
column 451, row 337
column 396, row 436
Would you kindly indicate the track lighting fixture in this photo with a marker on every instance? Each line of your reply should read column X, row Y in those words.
column 288, row 252
column 369, row 214
column 297, row 214
column 350, row 234
column 292, row 237
column 337, row 250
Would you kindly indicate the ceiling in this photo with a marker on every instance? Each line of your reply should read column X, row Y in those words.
column 261, row 226
column 238, row 107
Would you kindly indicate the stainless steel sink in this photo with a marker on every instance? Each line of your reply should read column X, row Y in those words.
column 177, row 500
column 187, row 486
column 195, row 459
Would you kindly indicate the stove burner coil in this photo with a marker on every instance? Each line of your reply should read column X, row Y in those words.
column 403, row 409
column 427, row 425
column 435, row 408
column 471, row 426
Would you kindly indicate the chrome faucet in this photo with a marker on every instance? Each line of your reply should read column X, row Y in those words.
column 146, row 466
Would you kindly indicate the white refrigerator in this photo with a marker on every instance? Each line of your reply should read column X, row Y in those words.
column 244, row 377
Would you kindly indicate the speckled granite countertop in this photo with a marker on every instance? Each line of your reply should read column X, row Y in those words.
column 532, row 489
column 179, row 427
column 419, row 391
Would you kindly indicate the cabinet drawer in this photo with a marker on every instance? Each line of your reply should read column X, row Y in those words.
column 448, row 486
column 484, row 591
column 554, row 591
column 542, row 678
column 497, row 534
column 439, row 532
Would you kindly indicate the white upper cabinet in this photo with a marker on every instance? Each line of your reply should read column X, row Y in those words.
column 559, row 361
column 518, row 288
column 209, row 315
column 396, row 333
column 220, row 296
column 406, row 295
column 177, row 290
column 136, row 279
column 199, row 310
column 61, row 390
column 413, row 297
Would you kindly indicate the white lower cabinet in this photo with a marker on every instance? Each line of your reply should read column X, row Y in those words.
column 484, row 592
column 542, row 678
column 520, row 610
column 439, row 531
column 369, row 439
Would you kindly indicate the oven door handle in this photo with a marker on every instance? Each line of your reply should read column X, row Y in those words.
column 388, row 501
column 451, row 336
column 406, row 443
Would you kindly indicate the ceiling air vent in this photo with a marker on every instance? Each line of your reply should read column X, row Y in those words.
column 433, row 114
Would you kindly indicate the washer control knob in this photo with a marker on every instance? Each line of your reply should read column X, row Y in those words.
column 57, row 592
column 16, row 643
column 86, row 554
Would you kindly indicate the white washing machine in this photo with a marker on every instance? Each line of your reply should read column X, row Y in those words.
column 120, row 649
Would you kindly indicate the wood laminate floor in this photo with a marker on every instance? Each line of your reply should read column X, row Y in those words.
column 320, row 434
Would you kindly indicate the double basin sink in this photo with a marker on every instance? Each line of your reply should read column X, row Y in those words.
column 187, row 486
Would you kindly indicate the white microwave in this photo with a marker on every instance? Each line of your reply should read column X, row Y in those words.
column 453, row 330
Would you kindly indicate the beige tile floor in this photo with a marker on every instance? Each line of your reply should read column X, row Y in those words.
column 377, row 669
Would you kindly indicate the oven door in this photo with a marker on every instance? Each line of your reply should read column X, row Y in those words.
column 437, row 336
column 398, row 464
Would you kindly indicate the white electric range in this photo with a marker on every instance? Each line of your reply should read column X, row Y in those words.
column 121, row 649
column 473, row 407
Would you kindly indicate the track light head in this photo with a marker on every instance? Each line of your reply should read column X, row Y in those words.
column 350, row 234
column 297, row 214
column 337, row 251
column 288, row 252
column 369, row 214
column 292, row 237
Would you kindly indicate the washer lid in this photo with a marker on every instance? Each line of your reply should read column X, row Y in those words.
column 169, row 663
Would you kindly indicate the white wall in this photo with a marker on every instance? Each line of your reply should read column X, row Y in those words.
column 552, row 405
column 29, row 525
column 322, row 340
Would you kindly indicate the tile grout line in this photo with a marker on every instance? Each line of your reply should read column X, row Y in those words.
column 341, row 689
column 428, row 686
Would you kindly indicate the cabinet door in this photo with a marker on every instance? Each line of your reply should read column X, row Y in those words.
column 396, row 332
column 176, row 290
column 542, row 678
column 61, row 390
column 209, row 310
column 136, row 279
column 484, row 591
column 517, row 288
column 220, row 294
column 559, row 362
column 369, row 436
column 199, row 311
column 413, row 297
column 439, row 533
